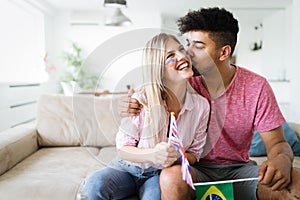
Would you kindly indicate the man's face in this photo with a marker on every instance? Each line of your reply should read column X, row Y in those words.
column 202, row 51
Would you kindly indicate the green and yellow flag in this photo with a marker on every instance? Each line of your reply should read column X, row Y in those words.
column 218, row 190
column 215, row 192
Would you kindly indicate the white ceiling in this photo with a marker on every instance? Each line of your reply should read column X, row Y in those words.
column 169, row 6
column 176, row 8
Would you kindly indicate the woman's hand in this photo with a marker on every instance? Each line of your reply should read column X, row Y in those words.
column 165, row 154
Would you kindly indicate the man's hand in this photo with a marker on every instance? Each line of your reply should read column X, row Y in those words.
column 128, row 106
column 276, row 172
column 165, row 154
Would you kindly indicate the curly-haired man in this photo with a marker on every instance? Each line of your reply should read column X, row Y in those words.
column 240, row 101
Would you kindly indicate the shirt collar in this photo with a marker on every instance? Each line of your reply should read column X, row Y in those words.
column 189, row 102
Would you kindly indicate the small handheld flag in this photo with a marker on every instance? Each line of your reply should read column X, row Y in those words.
column 174, row 139
column 215, row 192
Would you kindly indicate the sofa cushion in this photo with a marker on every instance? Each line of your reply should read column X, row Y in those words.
column 77, row 120
column 107, row 154
column 261, row 159
column 295, row 127
column 258, row 148
column 50, row 173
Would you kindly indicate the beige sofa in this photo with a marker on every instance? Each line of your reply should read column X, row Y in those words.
column 50, row 159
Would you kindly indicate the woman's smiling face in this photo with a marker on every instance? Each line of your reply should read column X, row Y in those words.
column 177, row 63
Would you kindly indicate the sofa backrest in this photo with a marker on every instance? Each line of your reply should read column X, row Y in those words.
column 77, row 120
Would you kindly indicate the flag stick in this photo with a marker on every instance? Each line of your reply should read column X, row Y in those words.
column 169, row 129
column 226, row 181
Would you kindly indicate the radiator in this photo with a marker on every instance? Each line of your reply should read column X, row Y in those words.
column 18, row 103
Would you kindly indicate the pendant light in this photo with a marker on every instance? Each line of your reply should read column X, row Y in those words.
column 118, row 18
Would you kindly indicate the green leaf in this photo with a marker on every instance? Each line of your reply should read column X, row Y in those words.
column 74, row 70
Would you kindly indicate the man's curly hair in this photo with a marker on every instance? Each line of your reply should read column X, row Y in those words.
column 219, row 23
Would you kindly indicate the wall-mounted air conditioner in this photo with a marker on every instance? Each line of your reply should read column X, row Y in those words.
column 87, row 18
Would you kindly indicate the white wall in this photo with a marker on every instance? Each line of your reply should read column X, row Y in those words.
column 245, row 57
column 93, row 38
column 277, row 60
column 22, row 70
column 22, row 42
column 274, row 46
column 292, row 59
column 270, row 61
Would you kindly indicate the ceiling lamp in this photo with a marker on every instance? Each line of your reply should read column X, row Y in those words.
column 115, row 3
column 118, row 18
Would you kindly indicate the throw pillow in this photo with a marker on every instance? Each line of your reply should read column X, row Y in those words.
column 258, row 148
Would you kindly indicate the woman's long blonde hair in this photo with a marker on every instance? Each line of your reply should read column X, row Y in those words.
column 153, row 73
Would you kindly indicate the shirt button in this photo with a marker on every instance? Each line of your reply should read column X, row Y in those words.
column 212, row 101
column 212, row 112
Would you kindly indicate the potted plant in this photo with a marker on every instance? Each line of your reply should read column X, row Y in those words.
column 75, row 77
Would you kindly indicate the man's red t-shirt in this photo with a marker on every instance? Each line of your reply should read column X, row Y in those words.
column 247, row 103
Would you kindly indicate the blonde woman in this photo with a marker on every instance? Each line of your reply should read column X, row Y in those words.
column 142, row 140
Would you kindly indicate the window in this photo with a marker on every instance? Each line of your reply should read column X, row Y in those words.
column 22, row 46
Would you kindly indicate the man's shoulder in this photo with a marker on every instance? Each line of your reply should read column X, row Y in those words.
column 244, row 72
column 249, row 77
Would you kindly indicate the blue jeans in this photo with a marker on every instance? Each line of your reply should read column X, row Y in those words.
column 122, row 180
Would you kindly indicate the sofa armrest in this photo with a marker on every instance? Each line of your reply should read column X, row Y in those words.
column 295, row 127
column 16, row 144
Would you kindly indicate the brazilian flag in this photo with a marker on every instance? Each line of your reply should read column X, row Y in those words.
column 223, row 191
